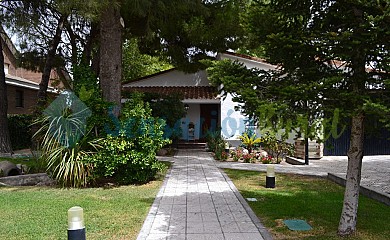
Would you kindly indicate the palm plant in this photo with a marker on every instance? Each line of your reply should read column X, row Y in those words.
column 64, row 145
column 249, row 142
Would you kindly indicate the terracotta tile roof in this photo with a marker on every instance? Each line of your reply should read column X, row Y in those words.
column 199, row 92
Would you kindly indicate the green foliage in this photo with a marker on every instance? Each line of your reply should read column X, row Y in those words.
column 124, row 160
column 171, row 109
column 20, row 131
column 63, row 155
column 214, row 141
column 186, row 31
column 321, row 62
column 128, row 153
column 217, row 144
column 249, row 141
column 277, row 148
column 87, row 89
column 136, row 64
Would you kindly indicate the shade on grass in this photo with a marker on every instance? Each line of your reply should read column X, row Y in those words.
column 41, row 212
column 316, row 200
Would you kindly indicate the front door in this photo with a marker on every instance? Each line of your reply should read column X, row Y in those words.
column 208, row 119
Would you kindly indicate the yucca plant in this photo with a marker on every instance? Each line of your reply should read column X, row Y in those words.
column 64, row 145
column 249, row 142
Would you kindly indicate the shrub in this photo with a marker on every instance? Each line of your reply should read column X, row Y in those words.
column 64, row 161
column 128, row 153
column 121, row 159
column 249, row 158
column 266, row 160
column 249, row 141
column 220, row 154
column 214, row 141
column 237, row 154
column 277, row 148
column 20, row 131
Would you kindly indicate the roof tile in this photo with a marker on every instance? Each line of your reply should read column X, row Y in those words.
column 195, row 92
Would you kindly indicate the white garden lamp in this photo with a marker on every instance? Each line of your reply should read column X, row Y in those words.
column 270, row 179
column 76, row 226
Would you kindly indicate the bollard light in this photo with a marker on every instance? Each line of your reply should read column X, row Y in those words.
column 76, row 227
column 270, row 179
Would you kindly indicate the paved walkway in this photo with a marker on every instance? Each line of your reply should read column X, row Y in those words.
column 198, row 201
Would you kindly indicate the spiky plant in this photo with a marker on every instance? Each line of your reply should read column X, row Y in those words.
column 249, row 141
column 64, row 145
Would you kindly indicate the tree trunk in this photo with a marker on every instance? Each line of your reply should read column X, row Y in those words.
column 348, row 218
column 43, row 85
column 5, row 141
column 111, row 56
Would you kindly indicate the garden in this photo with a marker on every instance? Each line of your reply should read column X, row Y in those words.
column 97, row 160
column 266, row 149
column 80, row 142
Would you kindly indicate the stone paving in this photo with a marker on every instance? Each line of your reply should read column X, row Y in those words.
column 198, row 201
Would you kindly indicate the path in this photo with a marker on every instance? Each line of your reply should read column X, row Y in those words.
column 198, row 201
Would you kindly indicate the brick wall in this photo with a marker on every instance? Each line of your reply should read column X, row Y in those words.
column 30, row 100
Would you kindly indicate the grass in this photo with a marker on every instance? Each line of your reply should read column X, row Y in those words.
column 316, row 200
column 41, row 212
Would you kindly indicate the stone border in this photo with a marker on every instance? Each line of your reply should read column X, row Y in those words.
column 363, row 190
column 294, row 161
column 41, row 179
column 263, row 231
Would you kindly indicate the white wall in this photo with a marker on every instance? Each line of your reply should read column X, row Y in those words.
column 232, row 121
column 173, row 78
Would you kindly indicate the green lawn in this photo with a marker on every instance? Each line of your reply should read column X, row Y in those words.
column 41, row 212
column 316, row 200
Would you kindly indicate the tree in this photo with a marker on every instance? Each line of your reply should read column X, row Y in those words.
column 50, row 33
column 5, row 141
column 186, row 31
column 136, row 64
column 331, row 55
column 110, row 73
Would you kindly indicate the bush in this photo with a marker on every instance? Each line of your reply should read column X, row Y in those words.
column 120, row 159
column 277, row 148
column 20, row 131
column 214, row 141
column 128, row 153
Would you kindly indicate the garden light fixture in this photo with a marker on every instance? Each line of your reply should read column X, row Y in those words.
column 76, row 227
column 270, row 179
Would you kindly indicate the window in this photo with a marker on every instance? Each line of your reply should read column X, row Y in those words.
column 6, row 67
column 19, row 98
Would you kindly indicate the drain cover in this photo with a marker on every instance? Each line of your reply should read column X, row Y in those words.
column 297, row 225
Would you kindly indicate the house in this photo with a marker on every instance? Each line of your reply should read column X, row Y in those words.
column 22, row 84
column 206, row 110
